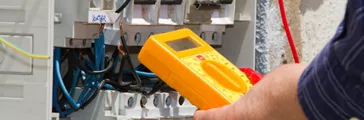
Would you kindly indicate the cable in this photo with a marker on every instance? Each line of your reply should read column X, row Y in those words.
column 159, row 85
column 288, row 32
column 144, row 74
column 117, row 86
column 108, row 68
column 130, row 64
column 57, row 54
column 122, row 7
column 2, row 40
column 94, row 95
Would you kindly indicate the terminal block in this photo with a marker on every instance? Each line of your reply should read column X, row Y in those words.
column 142, row 12
column 217, row 12
column 71, row 26
column 171, row 12
column 134, row 106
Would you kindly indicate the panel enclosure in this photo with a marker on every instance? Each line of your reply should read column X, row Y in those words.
column 26, row 83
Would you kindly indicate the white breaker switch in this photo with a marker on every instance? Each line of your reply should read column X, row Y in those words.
column 216, row 12
column 171, row 12
column 142, row 12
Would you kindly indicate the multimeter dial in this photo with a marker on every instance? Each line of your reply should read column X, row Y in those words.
column 218, row 72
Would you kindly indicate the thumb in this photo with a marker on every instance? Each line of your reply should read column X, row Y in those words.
column 224, row 113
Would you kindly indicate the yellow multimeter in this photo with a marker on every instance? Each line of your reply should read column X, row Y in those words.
column 192, row 67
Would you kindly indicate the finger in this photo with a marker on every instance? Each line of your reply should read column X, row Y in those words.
column 214, row 114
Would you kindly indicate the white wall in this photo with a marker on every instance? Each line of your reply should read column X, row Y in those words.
column 312, row 22
column 319, row 21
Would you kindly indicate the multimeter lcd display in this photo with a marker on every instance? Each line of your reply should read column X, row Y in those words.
column 182, row 44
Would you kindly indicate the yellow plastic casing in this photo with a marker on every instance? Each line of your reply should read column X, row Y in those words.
column 200, row 74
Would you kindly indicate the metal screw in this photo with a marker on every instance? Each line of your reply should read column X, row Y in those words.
column 203, row 35
column 168, row 101
column 156, row 101
column 130, row 102
column 137, row 38
column 143, row 102
column 214, row 36
column 71, row 42
column 84, row 42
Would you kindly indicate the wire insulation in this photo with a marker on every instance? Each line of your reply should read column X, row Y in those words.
column 3, row 41
column 122, row 7
column 288, row 32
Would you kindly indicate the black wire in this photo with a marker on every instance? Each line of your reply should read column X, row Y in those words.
column 121, row 69
column 159, row 85
column 122, row 7
column 117, row 85
column 126, row 56
column 108, row 68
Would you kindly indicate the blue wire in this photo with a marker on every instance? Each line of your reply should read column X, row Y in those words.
column 91, row 81
column 115, row 63
column 89, row 93
column 74, row 82
column 59, row 78
column 144, row 74
column 102, row 51
column 55, row 97
column 108, row 87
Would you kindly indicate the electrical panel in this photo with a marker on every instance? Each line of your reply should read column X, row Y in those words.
column 86, row 70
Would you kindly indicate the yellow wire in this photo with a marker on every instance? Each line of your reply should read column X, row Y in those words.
column 22, row 51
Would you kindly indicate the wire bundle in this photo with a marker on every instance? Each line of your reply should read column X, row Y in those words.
column 96, row 71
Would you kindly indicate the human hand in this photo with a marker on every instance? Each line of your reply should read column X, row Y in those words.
column 273, row 98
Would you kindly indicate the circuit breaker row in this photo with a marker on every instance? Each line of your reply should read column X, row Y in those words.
column 164, row 12
column 78, row 22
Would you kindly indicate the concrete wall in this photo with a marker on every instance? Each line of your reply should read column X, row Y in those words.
column 312, row 23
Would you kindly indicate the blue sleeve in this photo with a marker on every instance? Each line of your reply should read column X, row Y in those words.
column 332, row 86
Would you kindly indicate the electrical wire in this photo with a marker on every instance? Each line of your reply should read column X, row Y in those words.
column 130, row 64
column 58, row 78
column 159, row 85
column 108, row 68
column 288, row 32
column 122, row 7
column 8, row 44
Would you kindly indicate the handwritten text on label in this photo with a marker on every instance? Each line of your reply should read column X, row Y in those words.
column 98, row 18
